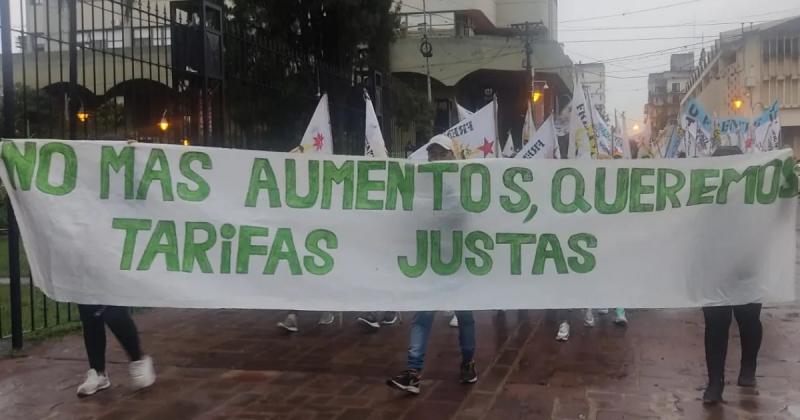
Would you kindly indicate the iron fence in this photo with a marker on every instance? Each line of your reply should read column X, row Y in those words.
column 163, row 72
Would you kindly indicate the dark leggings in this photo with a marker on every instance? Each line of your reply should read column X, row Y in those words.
column 94, row 319
column 718, row 321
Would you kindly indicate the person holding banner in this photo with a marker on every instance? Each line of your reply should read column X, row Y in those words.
column 439, row 148
column 94, row 319
column 718, row 321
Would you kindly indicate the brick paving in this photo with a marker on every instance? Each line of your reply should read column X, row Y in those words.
column 234, row 364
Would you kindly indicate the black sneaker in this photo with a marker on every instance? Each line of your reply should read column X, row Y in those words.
column 713, row 393
column 469, row 375
column 747, row 378
column 369, row 321
column 389, row 318
column 407, row 381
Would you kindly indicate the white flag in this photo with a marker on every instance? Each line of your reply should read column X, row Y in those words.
column 318, row 137
column 689, row 127
column 374, row 145
column 463, row 113
column 544, row 144
column 580, row 126
column 528, row 127
column 767, row 129
column 605, row 143
column 508, row 148
column 473, row 138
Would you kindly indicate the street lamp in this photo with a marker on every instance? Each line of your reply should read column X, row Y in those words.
column 82, row 115
column 163, row 124
column 185, row 141
column 636, row 128
column 737, row 104
column 536, row 95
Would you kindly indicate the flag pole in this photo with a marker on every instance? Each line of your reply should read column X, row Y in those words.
column 496, row 128
column 592, row 135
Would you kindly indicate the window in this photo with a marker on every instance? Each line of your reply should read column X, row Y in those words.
column 676, row 87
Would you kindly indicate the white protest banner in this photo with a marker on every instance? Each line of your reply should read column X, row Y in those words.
column 544, row 143
column 166, row 225
column 374, row 145
column 473, row 138
column 318, row 138
column 733, row 131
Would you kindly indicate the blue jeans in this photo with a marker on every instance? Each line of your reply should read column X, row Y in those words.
column 421, row 329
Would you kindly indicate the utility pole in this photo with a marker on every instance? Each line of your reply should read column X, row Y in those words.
column 527, row 31
column 528, row 53
column 426, row 49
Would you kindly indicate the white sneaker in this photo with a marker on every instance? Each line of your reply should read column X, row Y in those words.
column 93, row 383
column 142, row 373
column 326, row 318
column 454, row 321
column 563, row 332
column 369, row 320
column 588, row 318
column 620, row 318
column 603, row 311
column 289, row 324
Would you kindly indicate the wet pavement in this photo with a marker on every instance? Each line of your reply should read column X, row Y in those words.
column 234, row 364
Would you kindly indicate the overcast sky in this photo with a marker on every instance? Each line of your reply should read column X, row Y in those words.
column 689, row 21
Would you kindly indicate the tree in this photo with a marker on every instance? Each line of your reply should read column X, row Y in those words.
column 281, row 54
column 35, row 112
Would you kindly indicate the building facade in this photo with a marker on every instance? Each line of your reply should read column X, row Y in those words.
column 482, row 48
column 665, row 91
column 748, row 70
column 593, row 76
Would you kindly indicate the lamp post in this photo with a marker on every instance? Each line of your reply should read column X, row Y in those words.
column 537, row 93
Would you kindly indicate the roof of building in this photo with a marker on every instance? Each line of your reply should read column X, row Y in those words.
column 766, row 26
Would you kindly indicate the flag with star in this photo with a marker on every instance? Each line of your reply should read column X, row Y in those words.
column 474, row 137
column 318, row 137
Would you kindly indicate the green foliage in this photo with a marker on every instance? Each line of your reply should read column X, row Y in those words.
column 278, row 53
column 412, row 107
column 110, row 115
column 34, row 112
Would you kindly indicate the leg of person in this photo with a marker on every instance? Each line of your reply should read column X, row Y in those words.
column 420, row 331
column 290, row 322
column 120, row 323
column 94, row 340
column 466, row 341
column 718, row 321
column 588, row 318
column 620, row 318
column 749, row 319
column 370, row 320
column 563, row 325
